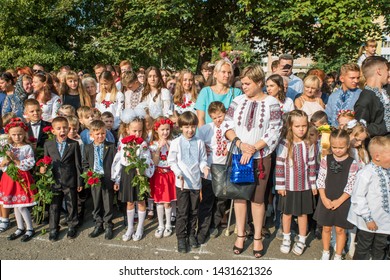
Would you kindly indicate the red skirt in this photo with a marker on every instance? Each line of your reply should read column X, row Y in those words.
column 162, row 185
column 12, row 194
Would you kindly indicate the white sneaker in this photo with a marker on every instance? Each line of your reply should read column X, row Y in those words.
column 159, row 232
column 325, row 256
column 337, row 257
column 168, row 232
column 127, row 236
column 298, row 248
column 137, row 237
column 286, row 246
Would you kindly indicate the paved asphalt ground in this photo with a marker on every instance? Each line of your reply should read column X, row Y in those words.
column 149, row 248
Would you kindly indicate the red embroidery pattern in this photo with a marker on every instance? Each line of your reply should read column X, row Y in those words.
column 221, row 144
column 106, row 103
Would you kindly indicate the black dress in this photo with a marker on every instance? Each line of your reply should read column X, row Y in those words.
column 335, row 182
column 127, row 193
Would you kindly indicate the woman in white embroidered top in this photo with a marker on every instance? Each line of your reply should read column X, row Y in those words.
column 185, row 93
column 257, row 121
column 109, row 98
column 275, row 88
column 154, row 92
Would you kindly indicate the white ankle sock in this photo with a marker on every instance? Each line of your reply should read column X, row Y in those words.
column 302, row 239
column 287, row 235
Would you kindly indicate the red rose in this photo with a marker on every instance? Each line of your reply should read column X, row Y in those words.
column 47, row 129
column 47, row 160
column 128, row 139
column 95, row 180
column 139, row 140
column 39, row 162
column 89, row 174
column 91, row 181
column 32, row 139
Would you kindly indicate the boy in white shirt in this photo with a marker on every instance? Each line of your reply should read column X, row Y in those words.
column 187, row 158
column 370, row 209
column 212, row 209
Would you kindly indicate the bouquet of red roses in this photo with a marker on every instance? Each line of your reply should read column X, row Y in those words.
column 43, row 183
column 91, row 179
column 12, row 171
column 47, row 130
column 131, row 149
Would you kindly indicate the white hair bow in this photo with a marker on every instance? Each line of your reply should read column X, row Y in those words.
column 128, row 115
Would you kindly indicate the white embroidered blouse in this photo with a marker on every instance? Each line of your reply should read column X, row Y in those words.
column 24, row 154
column 115, row 107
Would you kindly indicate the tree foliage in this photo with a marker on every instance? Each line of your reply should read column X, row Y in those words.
column 179, row 33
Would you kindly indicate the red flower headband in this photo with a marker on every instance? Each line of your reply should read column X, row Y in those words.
column 342, row 112
column 15, row 122
column 162, row 121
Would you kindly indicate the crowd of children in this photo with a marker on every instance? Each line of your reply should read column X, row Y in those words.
column 336, row 188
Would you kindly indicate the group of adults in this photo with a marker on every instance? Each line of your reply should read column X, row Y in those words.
column 257, row 116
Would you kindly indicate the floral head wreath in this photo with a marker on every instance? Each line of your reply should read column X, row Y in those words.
column 15, row 122
column 344, row 112
column 161, row 122
column 129, row 115
column 353, row 123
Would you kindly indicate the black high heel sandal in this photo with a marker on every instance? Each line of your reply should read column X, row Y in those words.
column 238, row 250
column 258, row 253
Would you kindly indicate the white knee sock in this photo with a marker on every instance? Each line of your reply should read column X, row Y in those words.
column 130, row 222
column 160, row 215
column 26, row 217
column 18, row 218
column 168, row 213
column 141, row 219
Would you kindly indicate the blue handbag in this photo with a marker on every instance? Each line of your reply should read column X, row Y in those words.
column 242, row 173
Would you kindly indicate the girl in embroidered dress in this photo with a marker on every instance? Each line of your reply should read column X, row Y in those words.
column 185, row 93
column 109, row 98
column 162, row 184
column 17, row 193
column 133, row 124
column 154, row 92
column 335, row 182
column 295, row 174
column 73, row 93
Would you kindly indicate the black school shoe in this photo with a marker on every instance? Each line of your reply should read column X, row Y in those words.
column 71, row 233
column 27, row 237
column 53, row 235
column 182, row 245
column 108, row 235
column 193, row 242
column 98, row 230
column 18, row 233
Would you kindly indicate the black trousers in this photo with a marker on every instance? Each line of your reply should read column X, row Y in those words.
column 81, row 201
column 187, row 212
column 366, row 241
column 211, row 209
column 103, row 208
column 70, row 195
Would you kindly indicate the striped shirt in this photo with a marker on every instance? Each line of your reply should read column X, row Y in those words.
column 297, row 173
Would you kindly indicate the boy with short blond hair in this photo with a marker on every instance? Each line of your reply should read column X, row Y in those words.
column 370, row 210
column 98, row 157
column 66, row 111
column 346, row 96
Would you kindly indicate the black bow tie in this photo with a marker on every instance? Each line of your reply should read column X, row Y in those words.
column 36, row 124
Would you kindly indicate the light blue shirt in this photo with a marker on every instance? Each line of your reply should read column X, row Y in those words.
column 98, row 158
column 84, row 135
column 295, row 86
column 206, row 96
column 340, row 100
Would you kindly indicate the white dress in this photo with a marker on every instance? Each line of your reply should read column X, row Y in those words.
column 163, row 101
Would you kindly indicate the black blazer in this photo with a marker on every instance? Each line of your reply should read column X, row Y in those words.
column 108, row 158
column 66, row 170
column 42, row 137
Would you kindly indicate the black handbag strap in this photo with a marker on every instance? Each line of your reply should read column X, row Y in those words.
column 230, row 154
